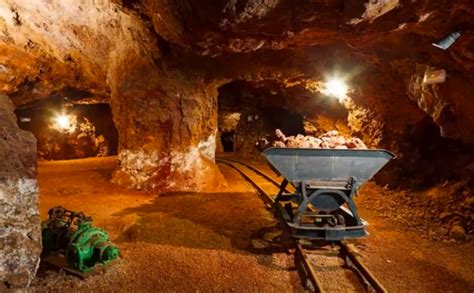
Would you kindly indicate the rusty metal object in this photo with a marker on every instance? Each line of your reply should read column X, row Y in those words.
column 353, row 260
column 306, row 271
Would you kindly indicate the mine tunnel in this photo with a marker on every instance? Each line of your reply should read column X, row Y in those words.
column 67, row 131
column 246, row 146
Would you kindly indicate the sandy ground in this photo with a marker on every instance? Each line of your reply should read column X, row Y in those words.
column 179, row 242
column 407, row 262
column 223, row 241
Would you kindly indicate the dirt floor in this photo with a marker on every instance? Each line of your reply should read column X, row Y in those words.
column 404, row 259
column 178, row 242
column 225, row 241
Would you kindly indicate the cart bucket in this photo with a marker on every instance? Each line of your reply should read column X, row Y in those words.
column 327, row 165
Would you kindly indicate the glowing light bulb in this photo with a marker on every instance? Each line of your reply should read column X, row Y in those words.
column 336, row 87
column 63, row 121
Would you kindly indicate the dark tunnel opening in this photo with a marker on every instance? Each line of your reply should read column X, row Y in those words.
column 253, row 111
column 227, row 140
column 88, row 129
column 291, row 123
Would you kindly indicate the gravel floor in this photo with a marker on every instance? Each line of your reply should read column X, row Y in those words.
column 224, row 241
column 177, row 242
column 332, row 272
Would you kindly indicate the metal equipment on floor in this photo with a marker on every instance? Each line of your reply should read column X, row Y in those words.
column 70, row 241
column 325, row 182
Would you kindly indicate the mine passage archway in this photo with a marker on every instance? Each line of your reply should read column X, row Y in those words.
column 69, row 131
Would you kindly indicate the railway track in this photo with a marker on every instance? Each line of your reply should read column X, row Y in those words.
column 324, row 267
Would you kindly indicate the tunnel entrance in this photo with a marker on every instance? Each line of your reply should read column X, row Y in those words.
column 289, row 122
column 253, row 111
column 69, row 131
column 227, row 140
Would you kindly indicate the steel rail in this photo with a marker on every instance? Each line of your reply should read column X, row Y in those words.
column 306, row 271
column 265, row 196
column 302, row 264
column 263, row 174
column 371, row 283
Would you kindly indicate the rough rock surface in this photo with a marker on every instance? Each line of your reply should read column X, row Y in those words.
column 167, row 124
column 228, row 121
column 329, row 140
column 162, row 56
column 165, row 131
column 427, row 212
column 448, row 104
column 160, row 63
column 20, row 237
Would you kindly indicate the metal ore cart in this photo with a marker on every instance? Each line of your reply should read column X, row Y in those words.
column 325, row 182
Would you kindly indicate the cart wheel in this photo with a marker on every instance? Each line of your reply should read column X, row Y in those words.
column 340, row 219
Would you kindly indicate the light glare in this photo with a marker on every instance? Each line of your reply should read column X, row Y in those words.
column 336, row 87
column 63, row 121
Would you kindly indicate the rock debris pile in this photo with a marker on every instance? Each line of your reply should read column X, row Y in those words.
column 329, row 140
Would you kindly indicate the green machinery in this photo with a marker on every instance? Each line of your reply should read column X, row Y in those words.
column 71, row 242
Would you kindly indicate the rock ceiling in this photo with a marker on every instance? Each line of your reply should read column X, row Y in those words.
column 384, row 47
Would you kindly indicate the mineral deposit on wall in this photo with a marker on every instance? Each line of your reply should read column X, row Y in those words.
column 20, row 241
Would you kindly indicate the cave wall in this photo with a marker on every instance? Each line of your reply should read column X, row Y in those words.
column 159, row 64
column 249, row 130
column 448, row 103
column 20, row 236
column 48, row 45
column 167, row 124
column 166, row 118
column 185, row 49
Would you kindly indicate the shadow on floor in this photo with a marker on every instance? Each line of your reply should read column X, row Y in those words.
column 231, row 221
